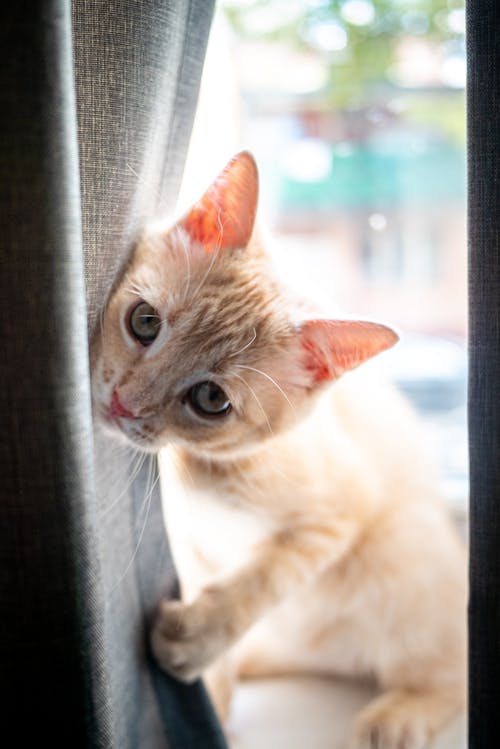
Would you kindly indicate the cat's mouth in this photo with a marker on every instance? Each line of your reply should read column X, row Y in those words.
column 132, row 430
column 108, row 415
column 116, row 414
column 108, row 419
column 117, row 409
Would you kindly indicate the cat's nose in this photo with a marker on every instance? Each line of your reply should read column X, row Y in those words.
column 118, row 409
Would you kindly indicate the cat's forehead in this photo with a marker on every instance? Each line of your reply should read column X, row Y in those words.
column 222, row 320
column 174, row 270
column 213, row 306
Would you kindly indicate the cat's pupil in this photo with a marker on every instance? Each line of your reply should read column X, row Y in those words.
column 208, row 399
column 144, row 323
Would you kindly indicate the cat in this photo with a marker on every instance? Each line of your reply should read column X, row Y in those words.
column 306, row 525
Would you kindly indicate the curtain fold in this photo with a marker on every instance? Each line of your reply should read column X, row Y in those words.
column 483, row 35
column 96, row 107
column 55, row 686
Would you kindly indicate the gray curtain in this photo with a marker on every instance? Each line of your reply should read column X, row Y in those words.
column 96, row 105
column 483, row 37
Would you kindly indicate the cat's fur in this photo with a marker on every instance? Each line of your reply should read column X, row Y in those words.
column 307, row 530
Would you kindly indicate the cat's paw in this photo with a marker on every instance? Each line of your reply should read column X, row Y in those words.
column 391, row 722
column 186, row 638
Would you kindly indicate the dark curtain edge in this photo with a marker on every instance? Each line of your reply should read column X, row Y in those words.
column 52, row 587
column 483, row 124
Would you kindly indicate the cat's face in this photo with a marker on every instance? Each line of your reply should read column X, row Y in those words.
column 198, row 345
column 189, row 372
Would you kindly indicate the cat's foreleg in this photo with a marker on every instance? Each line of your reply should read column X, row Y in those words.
column 186, row 638
column 405, row 719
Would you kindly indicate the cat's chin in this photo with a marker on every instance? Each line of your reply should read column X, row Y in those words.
column 112, row 427
column 218, row 454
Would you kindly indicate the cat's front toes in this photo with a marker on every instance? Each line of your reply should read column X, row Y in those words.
column 390, row 723
column 388, row 736
column 186, row 638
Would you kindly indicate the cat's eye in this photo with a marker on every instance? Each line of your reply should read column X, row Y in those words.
column 208, row 399
column 144, row 323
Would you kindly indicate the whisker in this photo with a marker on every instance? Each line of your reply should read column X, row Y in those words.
column 183, row 243
column 134, row 473
column 268, row 377
column 134, row 288
column 147, row 505
column 136, row 292
column 215, row 254
column 144, row 182
column 247, row 345
column 175, row 458
column 101, row 322
column 257, row 401
column 205, row 276
column 149, row 480
column 136, row 174
column 162, row 322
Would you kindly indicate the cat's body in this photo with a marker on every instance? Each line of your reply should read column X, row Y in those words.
column 306, row 526
column 376, row 613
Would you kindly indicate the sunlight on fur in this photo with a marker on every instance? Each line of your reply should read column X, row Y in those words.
column 302, row 511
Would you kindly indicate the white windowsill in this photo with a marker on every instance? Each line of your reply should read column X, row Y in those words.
column 299, row 712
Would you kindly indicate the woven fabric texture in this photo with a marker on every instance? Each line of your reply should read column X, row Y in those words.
column 50, row 624
column 483, row 29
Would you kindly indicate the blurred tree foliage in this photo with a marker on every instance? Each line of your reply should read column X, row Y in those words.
column 358, row 40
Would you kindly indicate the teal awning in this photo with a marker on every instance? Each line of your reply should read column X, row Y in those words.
column 371, row 175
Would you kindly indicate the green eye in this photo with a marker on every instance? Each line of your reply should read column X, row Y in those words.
column 208, row 399
column 144, row 323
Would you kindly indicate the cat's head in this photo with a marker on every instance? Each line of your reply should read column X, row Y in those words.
column 198, row 344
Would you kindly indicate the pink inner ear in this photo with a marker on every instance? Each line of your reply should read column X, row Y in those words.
column 225, row 215
column 332, row 347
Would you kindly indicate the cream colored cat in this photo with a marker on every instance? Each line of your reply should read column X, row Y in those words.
column 307, row 529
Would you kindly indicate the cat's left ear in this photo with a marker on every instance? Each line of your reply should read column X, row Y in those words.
column 328, row 348
column 225, row 215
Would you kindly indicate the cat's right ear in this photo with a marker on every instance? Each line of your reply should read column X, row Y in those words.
column 224, row 217
column 328, row 348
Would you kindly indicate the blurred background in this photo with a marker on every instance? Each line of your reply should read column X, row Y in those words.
column 355, row 113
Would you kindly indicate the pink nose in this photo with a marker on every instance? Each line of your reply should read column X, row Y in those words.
column 117, row 409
